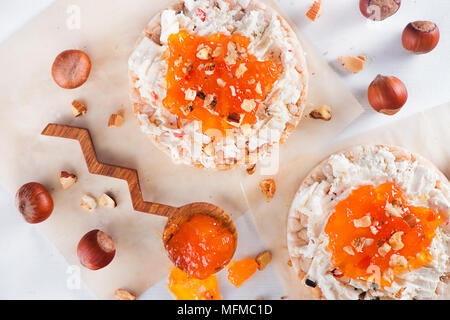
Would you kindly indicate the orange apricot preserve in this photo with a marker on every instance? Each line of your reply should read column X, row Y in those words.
column 201, row 246
column 240, row 271
column 374, row 234
column 185, row 288
column 216, row 80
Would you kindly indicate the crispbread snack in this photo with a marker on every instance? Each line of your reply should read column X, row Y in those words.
column 277, row 114
column 332, row 181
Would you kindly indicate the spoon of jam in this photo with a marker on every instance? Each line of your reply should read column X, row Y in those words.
column 200, row 238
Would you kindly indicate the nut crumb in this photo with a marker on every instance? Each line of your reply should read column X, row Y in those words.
column 78, row 108
column 116, row 120
column 263, row 259
column 107, row 201
column 123, row 294
column 268, row 188
column 67, row 179
column 322, row 113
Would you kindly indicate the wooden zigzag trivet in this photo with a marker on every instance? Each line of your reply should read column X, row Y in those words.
column 96, row 167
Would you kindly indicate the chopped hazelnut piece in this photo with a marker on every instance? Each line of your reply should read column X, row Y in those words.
column 410, row 220
column 178, row 62
column 78, row 108
column 187, row 67
column 268, row 188
column 217, row 52
column 211, row 102
column 373, row 230
column 322, row 113
column 349, row 250
column 397, row 260
column 399, row 293
column 123, row 294
column 88, row 202
column 246, row 129
column 258, row 88
column 263, row 259
column 201, row 95
column 353, row 64
column 395, row 241
column 116, row 120
column 186, row 109
column 235, row 119
column 67, row 179
column 393, row 209
column 315, row 10
column 204, row 53
column 209, row 68
column 231, row 56
column 359, row 243
column 389, row 275
column 107, row 201
column 384, row 249
column 251, row 170
column 241, row 70
column 221, row 83
column 209, row 149
column 248, row 105
column 233, row 91
column 363, row 222
column 190, row 95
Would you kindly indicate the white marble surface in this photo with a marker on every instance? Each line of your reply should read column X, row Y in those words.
column 31, row 267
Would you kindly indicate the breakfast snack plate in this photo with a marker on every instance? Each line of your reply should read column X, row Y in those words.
column 34, row 100
column 424, row 134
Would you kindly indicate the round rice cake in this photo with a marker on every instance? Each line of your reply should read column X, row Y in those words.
column 351, row 199
column 250, row 120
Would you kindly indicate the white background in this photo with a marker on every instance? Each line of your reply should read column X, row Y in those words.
column 31, row 267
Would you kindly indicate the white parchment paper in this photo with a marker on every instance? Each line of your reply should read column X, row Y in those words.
column 29, row 99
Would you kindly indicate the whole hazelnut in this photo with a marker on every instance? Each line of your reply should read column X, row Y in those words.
column 420, row 37
column 34, row 202
column 96, row 250
column 71, row 69
column 378, row 10
column 387, row 95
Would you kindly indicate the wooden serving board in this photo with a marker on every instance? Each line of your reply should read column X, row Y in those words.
column 30, row 100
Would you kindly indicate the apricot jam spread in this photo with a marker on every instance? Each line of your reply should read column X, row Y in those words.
column 201, row 246
column 185, row 288
column 216, row 80
column 374, row 234
column 239, row 271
